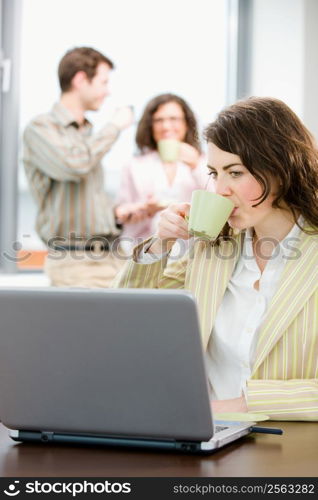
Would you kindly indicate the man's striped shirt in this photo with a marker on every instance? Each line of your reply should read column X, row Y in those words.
column 63, row 166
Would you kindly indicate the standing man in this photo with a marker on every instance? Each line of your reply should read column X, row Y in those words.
column 62, row 160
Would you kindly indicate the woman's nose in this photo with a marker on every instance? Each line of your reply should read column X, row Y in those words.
column 166, row 124
column 222, row 187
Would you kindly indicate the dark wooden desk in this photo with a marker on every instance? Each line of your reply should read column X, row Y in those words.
column 294, row 454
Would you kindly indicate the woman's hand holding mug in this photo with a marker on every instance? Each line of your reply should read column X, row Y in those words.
column 189, row 155
column 172, row 225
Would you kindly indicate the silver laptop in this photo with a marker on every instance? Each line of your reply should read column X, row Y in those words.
column 112, row 367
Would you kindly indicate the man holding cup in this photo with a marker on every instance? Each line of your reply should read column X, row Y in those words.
column 62, row 161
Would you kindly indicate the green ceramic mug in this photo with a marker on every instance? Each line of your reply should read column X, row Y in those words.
column 208, row 213
column 168, row 150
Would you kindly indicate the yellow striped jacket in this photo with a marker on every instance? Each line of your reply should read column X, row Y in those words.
column 284, row 379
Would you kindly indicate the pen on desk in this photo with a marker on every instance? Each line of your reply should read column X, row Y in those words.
column 266, row 430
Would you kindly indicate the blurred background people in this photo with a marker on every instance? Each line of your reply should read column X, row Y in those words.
column 62, row 160
column 148, row 182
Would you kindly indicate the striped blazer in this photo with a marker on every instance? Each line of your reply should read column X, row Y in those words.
column 284, row 379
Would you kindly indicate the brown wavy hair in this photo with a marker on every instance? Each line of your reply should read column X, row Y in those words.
column 144, row 136
column 272, row 142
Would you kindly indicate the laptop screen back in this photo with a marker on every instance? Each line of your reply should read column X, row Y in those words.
column 113, row 362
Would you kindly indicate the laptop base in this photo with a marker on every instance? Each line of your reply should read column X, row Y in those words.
column 219, row 440
column 93, row 440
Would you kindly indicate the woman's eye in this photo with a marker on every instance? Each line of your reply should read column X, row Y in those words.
column 212, row 173
column 236, row 173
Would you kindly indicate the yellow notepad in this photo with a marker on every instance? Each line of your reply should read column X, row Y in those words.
column 241, row 417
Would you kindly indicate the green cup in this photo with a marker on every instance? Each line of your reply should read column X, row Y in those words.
column 208, row 214
column 168, row 150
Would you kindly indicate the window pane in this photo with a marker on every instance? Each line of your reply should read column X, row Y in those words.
column 167, row 46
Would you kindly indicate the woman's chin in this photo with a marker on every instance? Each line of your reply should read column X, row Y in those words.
column 235, row 223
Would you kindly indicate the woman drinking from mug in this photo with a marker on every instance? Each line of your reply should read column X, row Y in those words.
column 257, row 284
column 153, row 178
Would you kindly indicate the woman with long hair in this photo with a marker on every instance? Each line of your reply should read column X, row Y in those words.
column 148, row 183
column 257, row 285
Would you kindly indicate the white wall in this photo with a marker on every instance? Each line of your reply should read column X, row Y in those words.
column 285, row 55
column 310, row 95
column 277, row 51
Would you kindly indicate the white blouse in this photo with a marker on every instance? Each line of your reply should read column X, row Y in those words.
column 231, row 348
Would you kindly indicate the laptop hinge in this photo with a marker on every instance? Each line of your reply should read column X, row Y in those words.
column 47, row 437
